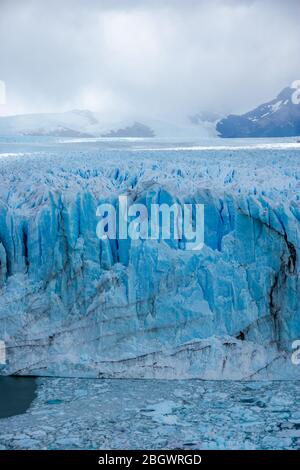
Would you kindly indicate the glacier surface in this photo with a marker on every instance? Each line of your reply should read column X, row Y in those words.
column 72, row 305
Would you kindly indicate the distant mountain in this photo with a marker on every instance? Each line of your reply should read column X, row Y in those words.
column 135, row 130
column 76, row 123
column 277, row 118
column 84, row 123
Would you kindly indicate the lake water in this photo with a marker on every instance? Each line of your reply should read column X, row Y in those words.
column 16, row 395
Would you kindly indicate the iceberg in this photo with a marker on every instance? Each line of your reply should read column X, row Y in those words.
column 72, row 305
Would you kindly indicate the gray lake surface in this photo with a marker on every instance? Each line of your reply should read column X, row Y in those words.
column 16, row 395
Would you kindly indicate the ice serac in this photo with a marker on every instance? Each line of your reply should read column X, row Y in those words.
column 72, row 305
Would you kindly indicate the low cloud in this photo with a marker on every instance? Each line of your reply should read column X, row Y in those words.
column 157, row 58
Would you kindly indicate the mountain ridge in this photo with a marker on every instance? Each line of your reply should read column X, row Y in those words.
column 85, row 123
column 279, row 117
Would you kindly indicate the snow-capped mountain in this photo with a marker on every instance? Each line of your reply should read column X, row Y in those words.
column 84, row 123
column 277, row 118
column 76, row 123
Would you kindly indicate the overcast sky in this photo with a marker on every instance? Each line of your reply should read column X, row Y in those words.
column 149, row 57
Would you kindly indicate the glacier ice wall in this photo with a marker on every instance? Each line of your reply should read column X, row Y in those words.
column 73, row 305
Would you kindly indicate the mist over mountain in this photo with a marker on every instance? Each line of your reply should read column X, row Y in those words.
column 165, row 59
column 86, row 124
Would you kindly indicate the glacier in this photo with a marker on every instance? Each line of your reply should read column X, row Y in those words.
column 72, row 305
